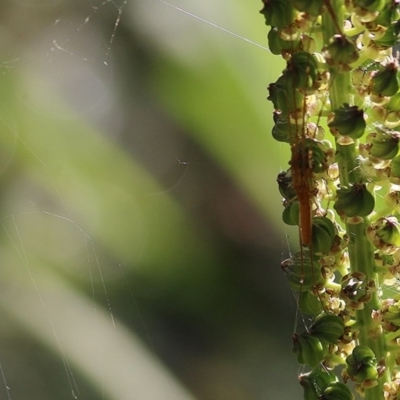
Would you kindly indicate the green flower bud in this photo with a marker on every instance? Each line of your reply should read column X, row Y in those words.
column 385, row 144
column 309, row 350
column 337, row 391
column 388, row 230
column 340, row 53
column 323, row 233
column 278, row 13
column 354, row 200
column 302, row 271
column 362, row 366
column 348, row 121
column 385, row 82
column 328, row 328
column 308, row 303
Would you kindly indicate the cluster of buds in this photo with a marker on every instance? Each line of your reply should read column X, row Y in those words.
column 337, row 105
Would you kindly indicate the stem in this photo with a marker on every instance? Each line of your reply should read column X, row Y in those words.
column 361, row 255
column 361, row 251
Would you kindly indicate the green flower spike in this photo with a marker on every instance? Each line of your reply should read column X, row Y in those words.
column 348, row 121
column 362, row 366
column 386, row 82
column 354, row 200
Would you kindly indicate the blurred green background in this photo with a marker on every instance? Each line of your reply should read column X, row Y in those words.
column 140, row 218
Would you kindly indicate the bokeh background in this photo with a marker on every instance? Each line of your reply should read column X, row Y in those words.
column 140, row 218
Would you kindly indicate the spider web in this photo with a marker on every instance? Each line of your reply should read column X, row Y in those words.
column 111, row 286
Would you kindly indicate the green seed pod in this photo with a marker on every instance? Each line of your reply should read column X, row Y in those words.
column 385, row 144
column 328, row 328
column 277, row 45
column 385, row 82
column 362, row 366
column 316, row 381
column 282, row 90
column 395, row 167
column 309, row 350
column 340, row 52
column 388, row 230
column 308, row 303
column 303, row 68
column 326, row 224
column 394, row 103
column 323, row 233
column 278, row 13
column 283, row 130
column 337, row 391
column 290, row 215
column 309, row 389
column 348, row 121
column 302, row 271
column 355, row 200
